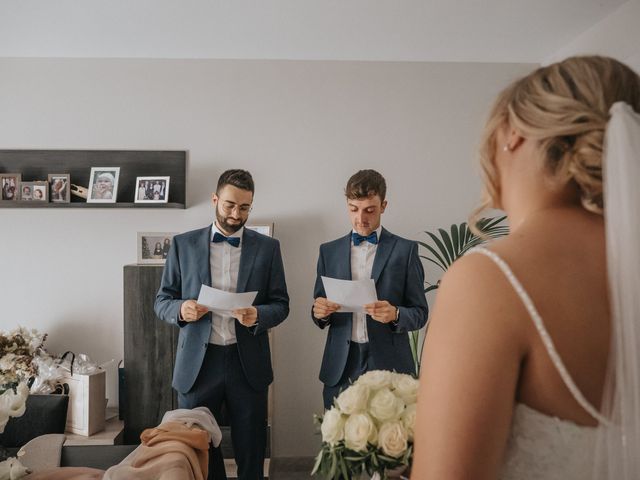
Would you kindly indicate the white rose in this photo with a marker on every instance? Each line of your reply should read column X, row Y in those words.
column 386, row 406
column 13, row 404
column 375, row 379
column 359, row 430
column 406, row 387
column 7, row 361
column 409, row 420
column 4, row 418
column 392, row 439
column 354, row 399
column 332, row 427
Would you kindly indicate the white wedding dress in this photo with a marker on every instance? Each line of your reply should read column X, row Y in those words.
column 540, row 446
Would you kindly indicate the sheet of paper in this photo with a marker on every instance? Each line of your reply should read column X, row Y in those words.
column 351, row 295
column 223, row 302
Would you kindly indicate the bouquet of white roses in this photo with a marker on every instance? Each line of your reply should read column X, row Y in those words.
column 370, row 427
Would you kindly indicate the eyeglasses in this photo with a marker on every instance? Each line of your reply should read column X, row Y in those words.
column 229, row 207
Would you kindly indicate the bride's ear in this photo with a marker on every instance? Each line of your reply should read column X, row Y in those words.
column 514, row 140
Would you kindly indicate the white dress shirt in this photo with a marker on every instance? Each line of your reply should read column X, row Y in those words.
column 362, row 258
column 225, row 263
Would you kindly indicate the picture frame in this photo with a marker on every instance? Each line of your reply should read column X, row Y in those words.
column 265, row 229
column 103, row 185
column 40, row 192
column 34, row 192
column 153, row 247
column 152, row 190
column 10, row 186
column 59, row 187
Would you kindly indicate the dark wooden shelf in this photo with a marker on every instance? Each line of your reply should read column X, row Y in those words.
column 82, row 204
column 36, row 165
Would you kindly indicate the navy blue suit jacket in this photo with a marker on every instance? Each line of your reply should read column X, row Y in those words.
column 187, row 268
column 399, row 278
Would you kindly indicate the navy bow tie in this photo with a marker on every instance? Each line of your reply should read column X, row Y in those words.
column 233, row 241
column 358, row 239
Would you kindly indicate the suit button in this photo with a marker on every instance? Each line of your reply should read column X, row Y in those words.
column 348, row 342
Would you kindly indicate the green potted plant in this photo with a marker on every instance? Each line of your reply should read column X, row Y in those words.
column 446, row 247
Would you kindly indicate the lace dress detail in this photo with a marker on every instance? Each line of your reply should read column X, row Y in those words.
column 541, row 446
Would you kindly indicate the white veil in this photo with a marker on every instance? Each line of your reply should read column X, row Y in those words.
column 617, row 455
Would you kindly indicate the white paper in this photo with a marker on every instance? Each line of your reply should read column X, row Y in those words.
column 223, row 302
column 351, row 295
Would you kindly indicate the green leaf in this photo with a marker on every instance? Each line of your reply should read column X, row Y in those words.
column 446, row 240
column 318, row 462
column 442, row 249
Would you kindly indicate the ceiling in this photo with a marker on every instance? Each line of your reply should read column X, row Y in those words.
column 395, row 30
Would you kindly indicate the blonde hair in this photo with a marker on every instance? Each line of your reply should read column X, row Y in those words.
column 564, row 107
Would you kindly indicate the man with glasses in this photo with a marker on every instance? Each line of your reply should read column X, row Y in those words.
column 226, row 358
column 377, row 338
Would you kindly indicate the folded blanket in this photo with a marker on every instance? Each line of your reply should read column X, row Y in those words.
column 171, row 451
column 199, row 416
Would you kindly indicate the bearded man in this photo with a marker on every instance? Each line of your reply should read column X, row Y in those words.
column 226, row 358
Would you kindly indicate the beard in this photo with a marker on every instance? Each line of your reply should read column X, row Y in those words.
column 223, row 222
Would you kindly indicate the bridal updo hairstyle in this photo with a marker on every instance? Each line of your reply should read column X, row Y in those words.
column 564, row 107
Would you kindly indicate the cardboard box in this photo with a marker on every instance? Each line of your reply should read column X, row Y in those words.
column 86, row 414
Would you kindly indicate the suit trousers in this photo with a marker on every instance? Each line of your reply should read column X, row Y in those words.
column 358, row 362
column 222, row 379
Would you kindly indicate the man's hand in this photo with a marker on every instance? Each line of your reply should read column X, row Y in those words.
column 322, row 308
column 246, row 316
column 381, row 311
column 190, row 311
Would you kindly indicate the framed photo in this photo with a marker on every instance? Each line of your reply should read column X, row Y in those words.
column 34, row 192
column 59, row 187
column 153, row 247
column 10, row 186
column 103, row 185
column 266, row 229
column 40, row 192
column 152, row 190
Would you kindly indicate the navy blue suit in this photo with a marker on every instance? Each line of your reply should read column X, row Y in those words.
column 205, row 374
column 399, row 279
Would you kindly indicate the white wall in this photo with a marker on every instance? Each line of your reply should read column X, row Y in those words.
column 379, row 30
column 301, row 128
column 617, row 35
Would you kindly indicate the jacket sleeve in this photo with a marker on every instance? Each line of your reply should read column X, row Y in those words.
column 276, row 308
column 318, row 291
column 169, row 296
column 414, row 309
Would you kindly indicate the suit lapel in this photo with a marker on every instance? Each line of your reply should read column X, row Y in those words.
column 384, row 249
column 247, row 258
column 343, row 263
column 204, row 268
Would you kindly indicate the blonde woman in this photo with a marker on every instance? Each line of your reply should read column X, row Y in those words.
column 515, row 381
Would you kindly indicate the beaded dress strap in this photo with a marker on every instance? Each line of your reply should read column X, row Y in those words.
column 544, row 334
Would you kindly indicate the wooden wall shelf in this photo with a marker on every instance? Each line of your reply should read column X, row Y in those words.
column 38, row 164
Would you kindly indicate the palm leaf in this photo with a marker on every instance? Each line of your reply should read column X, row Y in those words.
column 442, row 249
column 448, row 247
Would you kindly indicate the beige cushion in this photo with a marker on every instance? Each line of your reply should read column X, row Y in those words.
column 42, row 452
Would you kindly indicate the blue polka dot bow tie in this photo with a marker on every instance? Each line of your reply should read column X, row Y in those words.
column 358, row 239
column 233, row 241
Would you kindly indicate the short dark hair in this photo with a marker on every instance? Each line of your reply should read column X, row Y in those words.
column 364, row 184
column 238, row 178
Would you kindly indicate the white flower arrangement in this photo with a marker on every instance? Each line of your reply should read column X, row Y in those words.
column 370, row 427
column 17, row 351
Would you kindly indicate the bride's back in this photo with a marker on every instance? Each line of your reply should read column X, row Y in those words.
column 559, row 258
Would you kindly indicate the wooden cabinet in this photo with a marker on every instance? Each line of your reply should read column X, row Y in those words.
column 36, row 165
column 149, row 353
